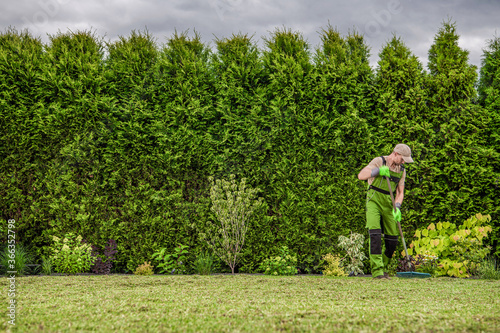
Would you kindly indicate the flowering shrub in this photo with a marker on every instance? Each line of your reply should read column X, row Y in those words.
column 70, row 255
column 284, row 264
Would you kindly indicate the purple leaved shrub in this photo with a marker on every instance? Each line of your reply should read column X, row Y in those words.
column 104, row 262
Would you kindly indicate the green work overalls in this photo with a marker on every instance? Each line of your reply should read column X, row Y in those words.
column 379, row 220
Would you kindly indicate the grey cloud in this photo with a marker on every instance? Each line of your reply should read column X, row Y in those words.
column 416, row 22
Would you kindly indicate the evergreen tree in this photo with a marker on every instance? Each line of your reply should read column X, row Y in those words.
column 342, row 103
column 489, row 89
column 344, row 72
column 21, row 141
column 240, row 91
column 401, row 113
column 489, row 83
column 456, row 171
column 452, row 79
column 130, row 66
column 239, row 133
column 489, row 98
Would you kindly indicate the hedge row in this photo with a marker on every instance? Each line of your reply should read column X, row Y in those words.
column 117, row 140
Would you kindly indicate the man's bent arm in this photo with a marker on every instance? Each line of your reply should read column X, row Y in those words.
column 365, row 173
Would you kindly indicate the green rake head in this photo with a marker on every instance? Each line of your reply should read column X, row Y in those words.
column 413, row 275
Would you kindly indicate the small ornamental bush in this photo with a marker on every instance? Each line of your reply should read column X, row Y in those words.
column 333, row 266
column 233, row 204
column 144, row 269
column 172, row 263
column 353, row 246
column 70, row 255
column 284, row 264
column 458, row 250
column 104, row 262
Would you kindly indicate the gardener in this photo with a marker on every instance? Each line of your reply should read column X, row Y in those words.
column 380, row 215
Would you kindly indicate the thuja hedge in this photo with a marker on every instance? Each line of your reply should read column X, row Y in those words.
column 116, row 140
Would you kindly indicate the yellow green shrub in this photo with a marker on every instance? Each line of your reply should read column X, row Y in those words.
column 332, row 266
column 144, row 269
column 458, row 249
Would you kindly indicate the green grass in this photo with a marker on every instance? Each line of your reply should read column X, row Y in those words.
column 252, row 303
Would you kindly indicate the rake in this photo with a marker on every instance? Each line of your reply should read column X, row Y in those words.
column 410, row 274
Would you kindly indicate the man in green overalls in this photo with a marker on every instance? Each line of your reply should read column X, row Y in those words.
column 380, row 215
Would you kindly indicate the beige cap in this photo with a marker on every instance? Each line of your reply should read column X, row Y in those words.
column 404, row 151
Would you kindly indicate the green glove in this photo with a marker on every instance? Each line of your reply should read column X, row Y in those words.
column 384, row 171
column 396, row 214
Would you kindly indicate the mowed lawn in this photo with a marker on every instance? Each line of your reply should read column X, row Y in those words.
column 251, row 303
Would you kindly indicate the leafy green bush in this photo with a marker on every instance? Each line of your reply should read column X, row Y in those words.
column 284, row 264
column 459, row 250
column 144, row 269
column 333, row 265
column 233, row 203
column 172, row 263
column 70, row 255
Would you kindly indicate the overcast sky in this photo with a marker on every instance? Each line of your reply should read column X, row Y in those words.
column 415, row 21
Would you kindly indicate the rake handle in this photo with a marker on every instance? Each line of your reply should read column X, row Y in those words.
column 399, row 224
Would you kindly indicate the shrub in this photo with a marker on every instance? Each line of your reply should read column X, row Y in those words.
column 70, row 255
column 284, row 264
column 16, row 259
column 103, row 263
column 333, row 266
column 420, row 263
column 172, row 263
column 405, row 266
column 458, row 250
column 426, row 263
column 204, row 264
column 144, row 269
column 353, row 245
column 233, row 204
